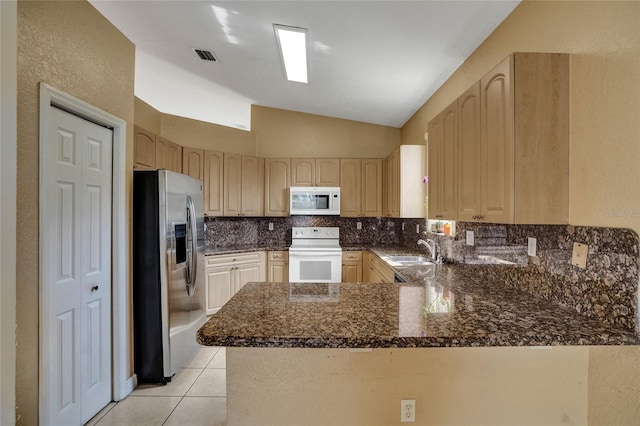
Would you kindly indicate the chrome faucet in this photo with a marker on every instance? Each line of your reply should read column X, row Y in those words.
column 431, row 246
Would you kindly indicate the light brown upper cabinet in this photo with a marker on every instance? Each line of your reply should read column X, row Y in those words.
column 443, row 152
column 372, row 187
column 404, row 170
column 496, row 144
column 391, row 184
column 513, row 144
column 168, row 155
column 350, row 187
column 303, row 171
column 327, row 172
column 469, row 164
column 243, row 185
column 144, row 149
column 193, row 162
column 276, row 186
column 525, row 140
column 315, row 172
column 153, row 152
column 174, row 157
column 213, row 186
column 361, row 187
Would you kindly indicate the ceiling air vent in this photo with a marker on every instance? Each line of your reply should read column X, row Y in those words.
column 205, row 55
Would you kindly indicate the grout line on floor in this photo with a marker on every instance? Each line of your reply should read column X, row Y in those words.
column 183, row 396
column 202, row 370
column 174, row 409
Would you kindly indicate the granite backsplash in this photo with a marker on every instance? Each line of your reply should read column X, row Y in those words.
column 607, row 289
column 228, row 232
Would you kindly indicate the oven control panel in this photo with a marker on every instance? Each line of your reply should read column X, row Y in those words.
column 315, row 232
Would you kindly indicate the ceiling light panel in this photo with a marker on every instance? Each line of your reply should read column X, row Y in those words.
column 292, row 42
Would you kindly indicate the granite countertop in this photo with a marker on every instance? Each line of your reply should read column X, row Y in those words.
column 439, row 306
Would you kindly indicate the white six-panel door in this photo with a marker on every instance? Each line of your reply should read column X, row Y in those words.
column 76, row 269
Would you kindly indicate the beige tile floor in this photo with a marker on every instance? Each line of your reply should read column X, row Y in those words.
column 197, row 395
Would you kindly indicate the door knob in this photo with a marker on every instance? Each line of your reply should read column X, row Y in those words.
column 94, row 288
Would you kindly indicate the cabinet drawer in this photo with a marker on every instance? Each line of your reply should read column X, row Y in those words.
column 352, row 255
column 233, row 259
column 278, row 256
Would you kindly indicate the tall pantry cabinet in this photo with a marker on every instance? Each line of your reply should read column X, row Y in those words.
column 403, row 171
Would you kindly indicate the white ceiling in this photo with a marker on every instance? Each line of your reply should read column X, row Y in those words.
column 370, row 61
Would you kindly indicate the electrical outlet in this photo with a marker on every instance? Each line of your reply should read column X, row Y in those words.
column 417, row 228
column 358, row 225
column 532, row 246
column 579, row 257
column 403, row 226
column 270, row 226
column 470, row 238
column 407, row 410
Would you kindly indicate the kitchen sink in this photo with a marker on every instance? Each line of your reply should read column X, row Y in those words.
column 407, row 260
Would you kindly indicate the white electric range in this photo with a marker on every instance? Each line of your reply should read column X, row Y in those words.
column 315, row 255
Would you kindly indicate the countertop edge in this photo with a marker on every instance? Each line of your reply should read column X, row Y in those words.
column 404, row 342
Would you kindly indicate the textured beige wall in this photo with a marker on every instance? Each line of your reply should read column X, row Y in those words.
column 200, row 134
column 451, row 386
column 275, row 133
column 604, row 40
column 147, row 116
column 8, row 196
column 194, row 133
column 282, row 133
column 614, row 385
column 72, row 47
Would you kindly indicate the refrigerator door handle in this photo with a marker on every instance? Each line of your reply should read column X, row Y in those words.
column 192, row 265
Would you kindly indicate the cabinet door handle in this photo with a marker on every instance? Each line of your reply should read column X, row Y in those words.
column 94, row 288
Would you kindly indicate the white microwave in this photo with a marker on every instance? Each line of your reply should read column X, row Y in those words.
column 314, row 200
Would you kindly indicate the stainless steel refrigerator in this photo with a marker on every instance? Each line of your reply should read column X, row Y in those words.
column 168, row 272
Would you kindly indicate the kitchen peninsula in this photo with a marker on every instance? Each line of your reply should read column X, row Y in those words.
column 418, row 313
column 347, row 353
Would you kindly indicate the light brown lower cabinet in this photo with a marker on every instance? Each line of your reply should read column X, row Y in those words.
column 278, row 266
column 379, row 271
column 352, row 267
column 226, row 274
